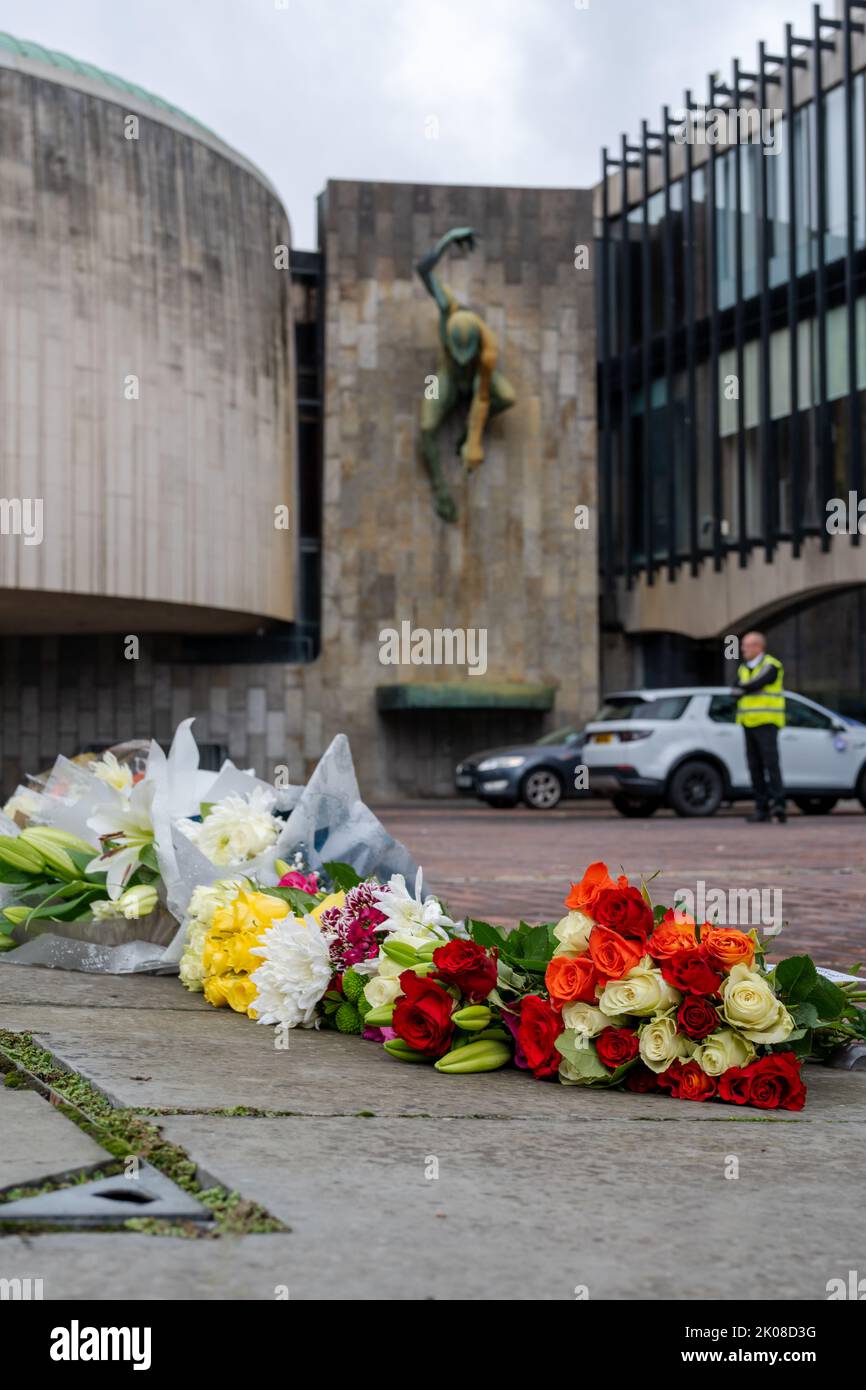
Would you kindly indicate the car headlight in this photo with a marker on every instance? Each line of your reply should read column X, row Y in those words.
column 497, row 764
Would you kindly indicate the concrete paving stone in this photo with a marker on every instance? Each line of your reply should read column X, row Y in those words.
column 38, row 1142
column 34, row 984
column 525, row 1210
column 139, row 1267
column 220, row 1060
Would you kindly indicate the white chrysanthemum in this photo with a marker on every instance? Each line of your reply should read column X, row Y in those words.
column 236, row 828
column 408, row 916
column 113, row 773
column 295, row 972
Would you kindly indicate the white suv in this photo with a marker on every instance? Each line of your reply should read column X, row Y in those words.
column 683, row 748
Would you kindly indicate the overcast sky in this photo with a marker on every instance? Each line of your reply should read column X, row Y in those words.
column 524, row 91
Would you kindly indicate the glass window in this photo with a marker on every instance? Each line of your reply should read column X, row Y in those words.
column 569, row 735
column 800, row 716
column 625, row 707
column 723, row 709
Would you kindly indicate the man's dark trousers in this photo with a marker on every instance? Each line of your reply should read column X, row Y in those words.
column 762, row 751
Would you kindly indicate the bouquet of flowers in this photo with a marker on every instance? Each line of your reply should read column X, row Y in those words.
column 648, row 999
column 618, row 993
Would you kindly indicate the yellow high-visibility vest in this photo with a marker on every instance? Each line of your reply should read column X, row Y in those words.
column 766, row 706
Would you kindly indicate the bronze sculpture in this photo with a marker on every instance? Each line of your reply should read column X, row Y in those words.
column 466, row 371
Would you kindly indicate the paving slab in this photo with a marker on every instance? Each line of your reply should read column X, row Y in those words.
column 216, row 1060
column 523, row 1210
column 35, row 984
column 38, row 1142
column 139, row 1267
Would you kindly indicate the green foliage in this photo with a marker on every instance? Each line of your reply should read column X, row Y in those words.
column 798, row 983
column 342, row 876
column 526, row 948
column 301, row 903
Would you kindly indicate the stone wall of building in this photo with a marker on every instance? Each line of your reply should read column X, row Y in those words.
column 68, row 694
column 514, row 563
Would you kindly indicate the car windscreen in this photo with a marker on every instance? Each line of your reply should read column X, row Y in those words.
column 625, row 707
column 559, row 736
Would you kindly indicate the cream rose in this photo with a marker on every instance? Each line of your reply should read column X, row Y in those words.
column 642, row 991
column 572, row 933
column 589, row 1021
column 750, row 1006
column 661, row 1044
column 382, row 989
column 722, row 1050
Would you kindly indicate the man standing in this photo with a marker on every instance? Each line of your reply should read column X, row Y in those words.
column 761, row 711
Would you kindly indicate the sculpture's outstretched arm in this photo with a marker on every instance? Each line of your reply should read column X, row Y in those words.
column 465, row 238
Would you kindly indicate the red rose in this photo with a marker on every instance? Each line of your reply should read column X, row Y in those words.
column 468, row 967
column 694, row 1084
column 686, row 1081
column 612, row 955
column 775, row 1082
column 422, row 1017
column 615, row 1046
column 734, row 1085
column 697, row 1018
column 690, row 972
column 624, row 911
column 641, row 1080
column 539, row 1027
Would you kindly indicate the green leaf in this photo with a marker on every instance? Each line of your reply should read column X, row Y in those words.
column 148, row 858
column 795, row 978
column 300, row 902
column 583, row 1058
column 485, row 934
column 805, row 1015
column 343, row 876
column 8, row 874
column 205, row 808
column 828, row 999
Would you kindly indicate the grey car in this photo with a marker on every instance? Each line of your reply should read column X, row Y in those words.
column 540, row 774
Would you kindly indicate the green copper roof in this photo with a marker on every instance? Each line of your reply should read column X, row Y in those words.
column 22, row 48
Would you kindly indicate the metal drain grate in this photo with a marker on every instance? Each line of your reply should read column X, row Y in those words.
column 109, row 1200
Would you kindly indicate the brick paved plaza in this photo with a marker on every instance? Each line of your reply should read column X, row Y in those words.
column 504, row 865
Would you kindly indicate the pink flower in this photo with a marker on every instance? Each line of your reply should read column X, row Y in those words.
column 307, row 883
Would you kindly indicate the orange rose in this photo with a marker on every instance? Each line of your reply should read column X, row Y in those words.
column 584, row 895
column 674, row 933
column 568, row 980
column 726, row 947
column 612, row 955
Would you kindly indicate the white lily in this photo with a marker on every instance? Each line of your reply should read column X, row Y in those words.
column 129, row 828
column 408, row 915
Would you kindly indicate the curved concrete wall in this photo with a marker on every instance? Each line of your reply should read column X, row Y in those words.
column 712, row 604
column 150, row 258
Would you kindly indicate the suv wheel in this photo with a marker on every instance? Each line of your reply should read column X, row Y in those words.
column 542, row 789
column 636, row 807
column 861, row 788
column 815, row 805
column 696, row 789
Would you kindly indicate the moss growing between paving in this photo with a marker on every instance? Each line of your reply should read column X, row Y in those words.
column 123, row 1133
